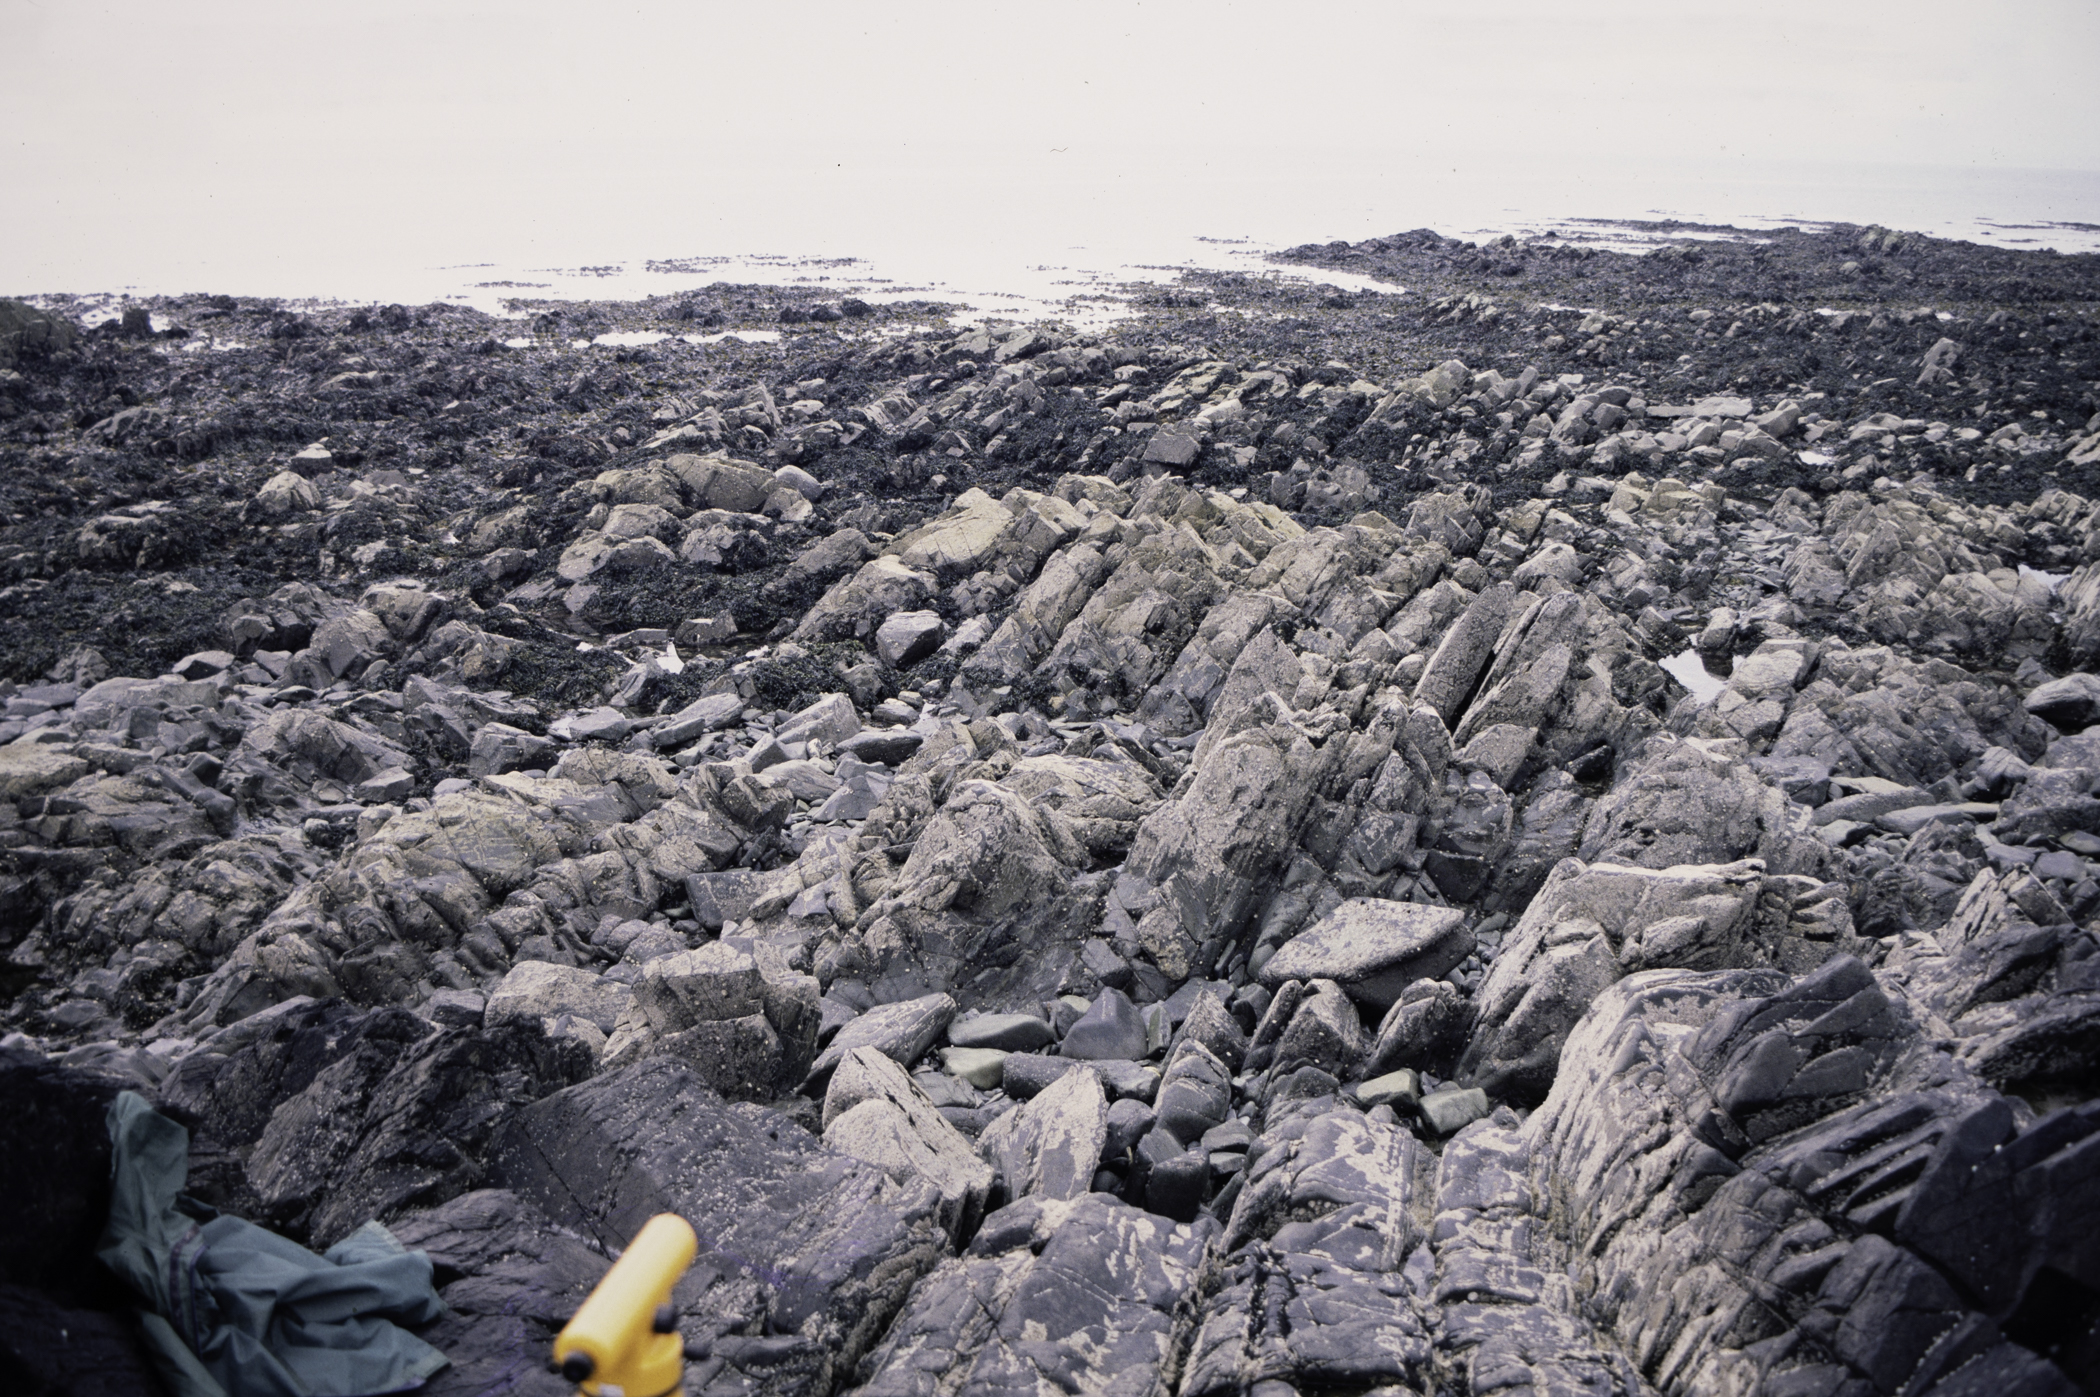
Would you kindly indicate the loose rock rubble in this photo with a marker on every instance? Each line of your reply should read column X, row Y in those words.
column 1164, row 861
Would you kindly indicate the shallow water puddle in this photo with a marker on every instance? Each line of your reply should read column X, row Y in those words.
column 1690, row 670
column 747, row 336
column 2051, row 580
column 630, row 338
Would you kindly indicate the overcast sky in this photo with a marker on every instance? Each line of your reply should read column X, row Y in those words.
column 405, row 127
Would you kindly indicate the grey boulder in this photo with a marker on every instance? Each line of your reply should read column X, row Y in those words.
column 536, row 990
column 1014, row 1033
column 904, row 1031
column 742, row 1019
column 1050, row 1147
column 499, row 748
column 875, row 1112
column 1110, row 1028
column 908, row 636
column 2067, row 704
column 1374, row 949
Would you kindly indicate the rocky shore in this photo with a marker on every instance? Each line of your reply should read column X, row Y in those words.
column 1174, row 860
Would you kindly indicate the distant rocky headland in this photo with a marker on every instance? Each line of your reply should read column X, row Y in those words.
column 1163, row 861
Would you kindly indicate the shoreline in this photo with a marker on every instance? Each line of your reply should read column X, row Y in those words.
column 1210, row 789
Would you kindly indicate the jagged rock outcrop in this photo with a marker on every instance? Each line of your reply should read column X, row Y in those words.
column 1109, row 861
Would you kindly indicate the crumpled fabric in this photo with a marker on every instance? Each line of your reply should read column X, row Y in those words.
column 239, row 1311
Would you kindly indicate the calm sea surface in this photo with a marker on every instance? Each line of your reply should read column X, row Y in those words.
column 1030, row 238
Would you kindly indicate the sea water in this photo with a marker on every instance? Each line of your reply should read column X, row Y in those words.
column 1032, row 238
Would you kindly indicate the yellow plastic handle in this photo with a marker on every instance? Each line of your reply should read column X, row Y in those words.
column 612, row 1342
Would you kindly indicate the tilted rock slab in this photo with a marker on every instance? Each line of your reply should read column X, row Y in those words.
column 1593, row 924
column 1837, row 1206
column 805, row 1253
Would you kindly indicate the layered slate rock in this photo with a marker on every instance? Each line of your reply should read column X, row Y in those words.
column 510, row 1279
column 1050, row 1147
column 1839, row 1207
column 1506, row 1316
column 989, row 873
column 340, row 1116
column 1315, row 1290
column 2022, row 999
column 1083, row 683
column 874, row 1111
column 1592, row 924
column 1082, row 1295
column 1691, row 802
column 805, row 1253
column 1374, row 949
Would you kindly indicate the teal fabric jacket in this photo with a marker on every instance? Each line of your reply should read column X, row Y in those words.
column 238, row 1311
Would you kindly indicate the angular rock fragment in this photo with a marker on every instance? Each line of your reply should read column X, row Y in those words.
column 744, row 1020
column 903, row 1031
column 716, row 981
column 1110, row 1028
column 1425, row 1024
column 1374, row 949
column 875, row 1112
column 1049, row 1148
column 908, row 636
column 499, row 748
column 536, row 990
column 1195, row 1095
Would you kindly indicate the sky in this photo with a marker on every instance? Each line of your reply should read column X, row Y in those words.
column 231, row 138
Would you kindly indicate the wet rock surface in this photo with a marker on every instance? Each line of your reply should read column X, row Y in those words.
column 1178, row 859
